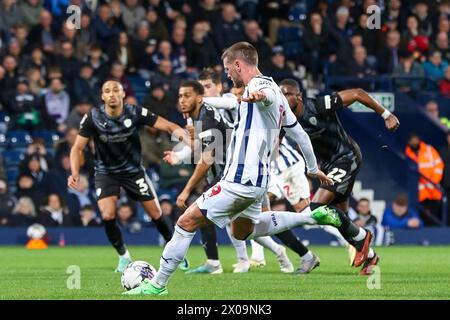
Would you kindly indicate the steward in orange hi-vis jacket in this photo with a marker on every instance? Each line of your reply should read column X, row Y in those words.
column 430, row 165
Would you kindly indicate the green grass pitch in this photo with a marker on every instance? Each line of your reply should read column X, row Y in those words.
column 405, row 273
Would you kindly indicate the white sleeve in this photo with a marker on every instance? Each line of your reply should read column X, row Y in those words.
column 260, row 84
column 183, row 154
column 228, row 102
column 295, row 131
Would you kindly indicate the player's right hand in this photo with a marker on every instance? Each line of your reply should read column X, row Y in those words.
column 324, row 180
column 392, row 122
column 170, row 157
column 72, row 181
column 181, row 200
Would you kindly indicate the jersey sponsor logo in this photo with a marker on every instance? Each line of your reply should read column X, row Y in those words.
column 127, row 123
column 144, row 112
column 263, row 83
column 327, row 102
column 98, row 192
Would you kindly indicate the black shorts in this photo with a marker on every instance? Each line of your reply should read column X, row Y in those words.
column 137, row 186
column 343, row 171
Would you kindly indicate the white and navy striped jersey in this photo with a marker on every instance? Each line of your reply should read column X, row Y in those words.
column 255, row 135
column 287, row 157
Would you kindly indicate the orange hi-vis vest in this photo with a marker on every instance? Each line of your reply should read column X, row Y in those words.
column 431, row 166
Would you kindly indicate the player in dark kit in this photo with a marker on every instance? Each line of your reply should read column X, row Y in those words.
column 339, row 156
column 114, row 128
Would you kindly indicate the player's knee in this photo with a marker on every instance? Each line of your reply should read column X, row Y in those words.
column 187, row 222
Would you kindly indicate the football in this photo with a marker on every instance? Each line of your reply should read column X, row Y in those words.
column 135, row 273
column 36, row 231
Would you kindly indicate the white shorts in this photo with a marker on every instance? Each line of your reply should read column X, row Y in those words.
column 291, row 184
column 226, row 201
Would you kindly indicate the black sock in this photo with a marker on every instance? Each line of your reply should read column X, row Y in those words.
column 209, row 241
column 348, row 229
column 164, row 227
column 292, row 242
column 115, row 236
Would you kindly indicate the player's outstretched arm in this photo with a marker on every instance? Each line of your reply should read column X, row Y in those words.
column 75, row 160
column 352, row 95
column 174, row 129
column 201, row 169
column 228, row 102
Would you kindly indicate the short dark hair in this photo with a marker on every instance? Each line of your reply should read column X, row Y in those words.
column 208, row 74
column 290, row 82
column 241, row 50
column 194, row 84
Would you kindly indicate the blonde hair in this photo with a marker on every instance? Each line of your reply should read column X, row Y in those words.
column 25, row 201
column 241, row 50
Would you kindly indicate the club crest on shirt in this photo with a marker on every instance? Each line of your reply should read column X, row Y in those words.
column 98, row 192
column 215, row 190
column 103, row 138
column 127, row 123
column 313, row 121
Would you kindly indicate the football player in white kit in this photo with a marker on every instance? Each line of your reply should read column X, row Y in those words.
column 238, row 197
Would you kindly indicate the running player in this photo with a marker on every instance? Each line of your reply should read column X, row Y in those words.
column 211, row 128
column 237, row 198
column 114, row 128
column 339, row 156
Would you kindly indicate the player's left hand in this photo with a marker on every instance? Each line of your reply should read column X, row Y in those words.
column 181, row 200
column 324, row 180
column 392, row 122
column 255, row 96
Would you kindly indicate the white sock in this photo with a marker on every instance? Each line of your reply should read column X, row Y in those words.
column 213, row 262
column 335, row 232
column 257, row 251
column 361, row 235
column 174, row 252
column 269, row 243
column 308, row 256
column 273, row 222
column 239, row 245
column 126, row 255
column 371, row 253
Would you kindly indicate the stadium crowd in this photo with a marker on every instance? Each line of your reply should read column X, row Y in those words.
column 50, row 76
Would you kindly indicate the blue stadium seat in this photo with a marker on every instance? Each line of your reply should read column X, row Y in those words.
column 291, row 40
column 12, row 158
column 4, row 121
column 18, row 139
column 11, row 175
column 50, row 137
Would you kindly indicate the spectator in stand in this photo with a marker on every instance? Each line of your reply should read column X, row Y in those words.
column 444, row 85
column 67, row 62
column 56, row 179
column 24, row 213
column 36, row 81
column 83, row 106
column 342, row 27
column 400, row 215
column 25, row 108
column 34, row 170
column 165, row 53
column 126, row 216
column 409, row 67
column 229, row 28
column 364, row 215
column 10, row 14
column 254, row 35
column 201, row 52
column 76, row 199
column 54, row 213
column 394, row 11
column 86, row 86
column 105, row 25
column 441, row 44
column 43, row 34
column 277, row 68
column 154, row 143
column 20, row 34
column 361, row 66
column 158, row 29
column 30, row 12
column 160, row 102
column 14, row 50
column 389, row 55
column 27, row 188
column 143, row 48
column 122, row 52
column 165, row 77
column 89, row 217
column 117, row 72
column 412, row 29
column 178, row 42
column 424, row 18
column 132, row 13
column 85, row 36
column 37, row 149
column 7, row 203
column 430, row 167
column 445, row 155
column 98, row 61
column 168, row 209
column 11, row 76
column 57, row 103
column 435, row 67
